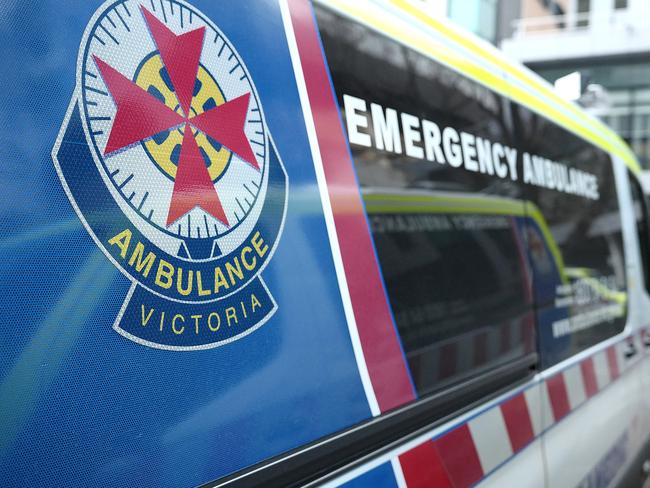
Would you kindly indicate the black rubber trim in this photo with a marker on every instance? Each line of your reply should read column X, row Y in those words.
column 330, row 456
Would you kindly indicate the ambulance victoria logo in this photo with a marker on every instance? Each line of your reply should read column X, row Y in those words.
column 166, row 156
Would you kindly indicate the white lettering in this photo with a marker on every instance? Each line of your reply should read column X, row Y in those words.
column 424, row 139
column 452, row 149
column 411, row 136
column 468, row 141
column 355, row 120
column 386, row 128
column 432, row 140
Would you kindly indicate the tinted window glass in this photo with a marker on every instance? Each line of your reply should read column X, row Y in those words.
column 458, row 288
column 436, row 160
column 572, row 190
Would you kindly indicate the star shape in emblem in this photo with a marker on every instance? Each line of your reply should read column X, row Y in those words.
column 140, row 116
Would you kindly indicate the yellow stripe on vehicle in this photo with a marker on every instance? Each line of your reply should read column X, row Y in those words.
column 381, row 21
column 617, row 146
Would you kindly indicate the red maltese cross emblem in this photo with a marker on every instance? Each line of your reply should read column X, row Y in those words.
column 168, row 161
column 141, row 116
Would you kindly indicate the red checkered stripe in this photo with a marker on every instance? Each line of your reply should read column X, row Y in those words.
column 470, row 451
column 446, row 359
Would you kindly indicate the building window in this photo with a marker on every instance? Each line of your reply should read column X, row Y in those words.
column 620, row 4
column 584, row 6
column 478, row 16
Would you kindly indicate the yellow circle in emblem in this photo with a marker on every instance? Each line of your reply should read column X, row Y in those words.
column 164, row 148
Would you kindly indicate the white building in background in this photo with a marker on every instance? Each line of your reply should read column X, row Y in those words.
column 580, row 29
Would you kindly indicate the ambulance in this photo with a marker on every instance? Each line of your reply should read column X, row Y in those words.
column 296, row 243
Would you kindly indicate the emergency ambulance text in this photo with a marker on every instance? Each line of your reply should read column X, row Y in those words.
column 403, row 133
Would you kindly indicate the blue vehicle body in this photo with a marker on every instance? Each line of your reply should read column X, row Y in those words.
column 83, row 406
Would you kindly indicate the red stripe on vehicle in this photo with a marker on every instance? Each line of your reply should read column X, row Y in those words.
column 612, row 363
column 423, row 468
column 452, row 460
column 459, row 456
column 589, row 377
column 518, row 423
column 558, row 396
column 382, row 351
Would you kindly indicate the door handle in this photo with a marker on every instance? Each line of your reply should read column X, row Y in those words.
column 646, row 340
column 630, row 350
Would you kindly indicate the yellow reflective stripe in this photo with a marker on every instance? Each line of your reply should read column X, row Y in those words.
column 526, row 98
column 429, row 209
column 449, row 202
column 470, row 45
column 493, row 80
column 423, row 43
column 617, row 146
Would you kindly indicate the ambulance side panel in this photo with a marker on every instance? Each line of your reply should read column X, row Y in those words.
column 81, row 405
column 582, row 408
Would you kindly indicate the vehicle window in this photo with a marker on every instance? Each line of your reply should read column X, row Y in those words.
column 436, row 161
column 641, row 218
column 571, row 191
column 457, row 289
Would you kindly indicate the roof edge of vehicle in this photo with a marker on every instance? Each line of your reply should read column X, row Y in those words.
column 440, row 39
